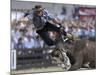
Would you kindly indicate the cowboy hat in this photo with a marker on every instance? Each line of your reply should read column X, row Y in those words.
column 38, row 8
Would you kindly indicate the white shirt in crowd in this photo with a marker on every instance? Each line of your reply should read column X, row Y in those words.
column 28, row 43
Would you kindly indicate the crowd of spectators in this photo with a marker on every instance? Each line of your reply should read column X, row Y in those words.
column 81, row 29
column 23, row 33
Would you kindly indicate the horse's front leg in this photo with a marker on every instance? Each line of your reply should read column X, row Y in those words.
column 66, row 61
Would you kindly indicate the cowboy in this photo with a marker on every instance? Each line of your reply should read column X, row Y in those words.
column 41, row 20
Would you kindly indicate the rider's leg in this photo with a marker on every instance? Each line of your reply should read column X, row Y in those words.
column 53, row 27
column 45, row 36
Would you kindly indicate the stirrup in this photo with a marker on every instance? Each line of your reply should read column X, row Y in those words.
column 66, row 39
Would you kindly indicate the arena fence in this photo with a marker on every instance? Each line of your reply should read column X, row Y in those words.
column 31, row 58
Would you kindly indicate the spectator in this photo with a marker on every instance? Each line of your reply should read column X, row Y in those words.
column 37, row 42
column 92, row 33
column 15, row 35
column 20, row 43
column 28, row 42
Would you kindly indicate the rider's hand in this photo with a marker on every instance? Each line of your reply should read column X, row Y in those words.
column 70, row 36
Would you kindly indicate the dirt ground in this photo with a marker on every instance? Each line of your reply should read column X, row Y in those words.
column 41, row 70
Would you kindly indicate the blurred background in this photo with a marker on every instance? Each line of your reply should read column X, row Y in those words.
column 80, row 20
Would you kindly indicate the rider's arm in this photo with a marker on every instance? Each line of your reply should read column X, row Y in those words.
column 57, row 21
column 29, row 15
column 52, row 18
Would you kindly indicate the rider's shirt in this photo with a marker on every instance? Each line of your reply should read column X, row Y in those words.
column 39, row 22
